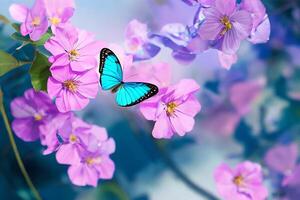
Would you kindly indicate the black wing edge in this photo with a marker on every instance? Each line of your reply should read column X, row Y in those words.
column 103, row 54
column 153, row 91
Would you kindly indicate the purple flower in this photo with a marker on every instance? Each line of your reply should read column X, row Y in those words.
column 225, row 25
column 173, row 109
column 49, row 132
column 75, row 47
column 34, row 21
column 277, row 159
column 293, row 179
column 261, row 24
column 59, row 12
column 197, row 2
column 137, row 42
column 176, row 36
column 136, row 35
column 244, row 182
column 95, row 162
column 31, row 111
column 72, row 90
column 75, row 135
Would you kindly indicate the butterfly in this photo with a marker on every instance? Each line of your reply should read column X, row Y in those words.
column 111, row 78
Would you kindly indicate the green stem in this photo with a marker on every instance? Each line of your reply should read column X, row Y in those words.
column 16, row 151
column 170, row 163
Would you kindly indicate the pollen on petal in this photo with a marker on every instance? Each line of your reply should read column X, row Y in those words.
column 38, row 117
column 73, row 54
column 55, row 21
column 238, row 180
column 92, row 160
column 73, row 138
column 171, row 108
column 36, row 21
column 227, row 24
column 70, row 85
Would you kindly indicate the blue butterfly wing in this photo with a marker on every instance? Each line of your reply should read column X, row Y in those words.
column 131, row 93
column 110, row 69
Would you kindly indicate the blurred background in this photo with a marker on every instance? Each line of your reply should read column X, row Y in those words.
column 245, row 110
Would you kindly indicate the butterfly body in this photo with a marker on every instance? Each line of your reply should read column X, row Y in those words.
column 111, row 78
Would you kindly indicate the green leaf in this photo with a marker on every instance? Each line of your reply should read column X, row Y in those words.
column 18, row 37
column 40, row 72
column 42, row 40
column 8, row 62
column 16, row 26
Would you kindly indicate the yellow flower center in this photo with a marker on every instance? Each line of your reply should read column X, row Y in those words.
column 238, row 180
column 36, row 21
column 73, row 54
column 70, row 85
column 171, row 107
column 38, row 117
column 91, row 160
column 73, row 138
column 55, row 20
column 227, row 24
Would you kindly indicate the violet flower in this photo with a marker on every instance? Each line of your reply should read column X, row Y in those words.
column 31, row 111
column 226, row 26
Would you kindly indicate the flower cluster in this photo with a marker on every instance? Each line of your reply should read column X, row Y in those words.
column 36, row 20
column 218, row 24
column 85, row 148
column 74, row 60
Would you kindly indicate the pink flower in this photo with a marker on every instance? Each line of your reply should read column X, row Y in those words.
column 136, row 35
column 34, row 21
column 95, row 163
column 226, row 25
column 31, row 111
column 59, row 12
column 75, row 135
column 282, row 158
column 244, row 182
column 173, row 109
column 75, row 47
column 72, row 90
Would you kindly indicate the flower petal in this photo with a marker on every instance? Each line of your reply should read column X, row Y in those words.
column 18, row 12
column 162, row 127
column 68, row 154
column 182, row 123
column 106, row 168
column 82, row 174
column 26, row 129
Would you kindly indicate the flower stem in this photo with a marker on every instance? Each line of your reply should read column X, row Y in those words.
column 16, row 151
column 176, row 170
column 170, row 163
